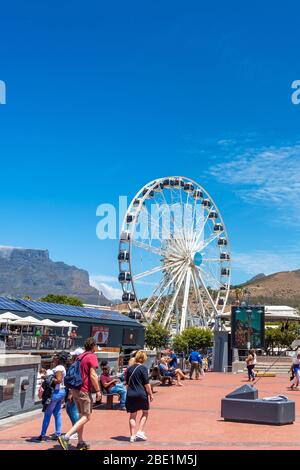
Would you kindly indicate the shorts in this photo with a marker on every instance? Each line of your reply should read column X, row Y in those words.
column 83, row 402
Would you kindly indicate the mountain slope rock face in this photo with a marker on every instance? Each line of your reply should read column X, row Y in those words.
column 31, row 272
column 281, row 288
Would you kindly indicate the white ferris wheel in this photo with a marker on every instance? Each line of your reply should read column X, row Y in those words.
column 174, row 258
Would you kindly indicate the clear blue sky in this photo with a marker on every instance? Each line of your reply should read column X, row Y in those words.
column 102, row 97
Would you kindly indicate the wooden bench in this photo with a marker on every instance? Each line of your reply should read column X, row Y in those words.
column 154, row 383
column 109, row 397
column 156, row 376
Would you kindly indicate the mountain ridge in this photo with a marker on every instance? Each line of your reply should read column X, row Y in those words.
column 281, row 288
column 31, row 272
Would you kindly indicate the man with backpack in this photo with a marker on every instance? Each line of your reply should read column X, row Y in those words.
column 83, row 380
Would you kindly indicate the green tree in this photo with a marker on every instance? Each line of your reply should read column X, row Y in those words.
column 280, row 337
column 62, row 299
column 193, row 338
column 156, row 336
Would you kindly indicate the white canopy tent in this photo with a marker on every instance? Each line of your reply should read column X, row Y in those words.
column 8, row 316
column 28, row 321
column 72, row 325
column 64, row 324
column 48, row 322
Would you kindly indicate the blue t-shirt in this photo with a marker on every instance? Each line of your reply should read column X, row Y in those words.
column 195, row 357
column 173, row 362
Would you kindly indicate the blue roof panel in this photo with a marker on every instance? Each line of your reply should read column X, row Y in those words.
column 8, row 304
column 72, row 311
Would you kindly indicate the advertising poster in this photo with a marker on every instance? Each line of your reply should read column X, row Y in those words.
column 247, row 327
column 101, row 334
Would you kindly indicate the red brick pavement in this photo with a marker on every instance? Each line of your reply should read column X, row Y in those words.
column 185, row 417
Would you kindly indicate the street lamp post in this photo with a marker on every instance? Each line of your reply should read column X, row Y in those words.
column 249, row 315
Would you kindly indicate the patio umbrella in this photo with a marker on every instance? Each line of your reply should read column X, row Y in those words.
column 72, row 325
column 48, row 322
column 8, row 316
column 63, row 324
column 27, row 321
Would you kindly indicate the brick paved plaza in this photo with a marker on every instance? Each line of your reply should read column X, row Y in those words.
column 185, row 417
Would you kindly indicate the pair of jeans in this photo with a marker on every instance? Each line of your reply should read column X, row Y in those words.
column 120, row 390
column 72, row 412
column 251, row 374
column 54, row 408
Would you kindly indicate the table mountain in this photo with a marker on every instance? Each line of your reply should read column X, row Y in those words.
column 31, row 272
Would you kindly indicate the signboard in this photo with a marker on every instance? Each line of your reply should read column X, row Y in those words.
column 248, row 327
column 130, row 336
column 101, row 334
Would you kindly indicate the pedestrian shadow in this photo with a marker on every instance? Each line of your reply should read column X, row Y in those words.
column 121, row 438
column 33, row 439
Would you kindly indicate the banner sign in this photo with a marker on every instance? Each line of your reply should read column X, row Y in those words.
column 247, row 327
column 101, row 334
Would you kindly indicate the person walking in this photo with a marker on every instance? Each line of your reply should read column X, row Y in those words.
column 139, row 394
column 71, row 407
column 57, row 396
column 296, row 371
column 83, row 396
column 195, row 361
column 251, row 363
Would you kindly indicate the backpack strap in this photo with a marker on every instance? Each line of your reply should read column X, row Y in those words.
column 133, row 373
column 84, row 355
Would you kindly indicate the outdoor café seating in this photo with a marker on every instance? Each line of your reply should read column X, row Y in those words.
column 29, row 333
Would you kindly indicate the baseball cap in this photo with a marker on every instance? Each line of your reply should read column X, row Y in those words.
column 77, row 352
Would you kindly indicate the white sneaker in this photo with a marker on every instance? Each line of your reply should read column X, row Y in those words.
column 132, row 438
column 141, row 435
column 74, row 436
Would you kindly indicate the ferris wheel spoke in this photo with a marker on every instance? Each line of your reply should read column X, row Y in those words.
column 173, row 300
column 146, row 246
column 211, row 277
column 156, row 314
column 208, row 241
column 198, row 274
column 156, row 225
column 211, row 260
column 185, row 299
column 148, row 273
column 202, row 312
column 162, row 291
column 162, row 218
column 157, row 289
column 197, row 236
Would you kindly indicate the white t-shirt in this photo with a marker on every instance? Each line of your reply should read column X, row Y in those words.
column 63, row 371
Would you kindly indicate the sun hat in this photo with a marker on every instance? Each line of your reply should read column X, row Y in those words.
column 77, row 352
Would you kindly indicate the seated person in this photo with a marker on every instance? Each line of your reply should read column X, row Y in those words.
column 166, row 371
column 113, row 385
column 130, row 363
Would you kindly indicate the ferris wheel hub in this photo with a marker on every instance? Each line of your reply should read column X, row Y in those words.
column 198, row 258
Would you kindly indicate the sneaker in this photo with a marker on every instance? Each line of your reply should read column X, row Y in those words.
column 82, row 446
column 53, row 437
column 64, row 443
column 74, row 436
column 123, row 408
column 40, row 438
column 141, row 435
column 132, row 438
